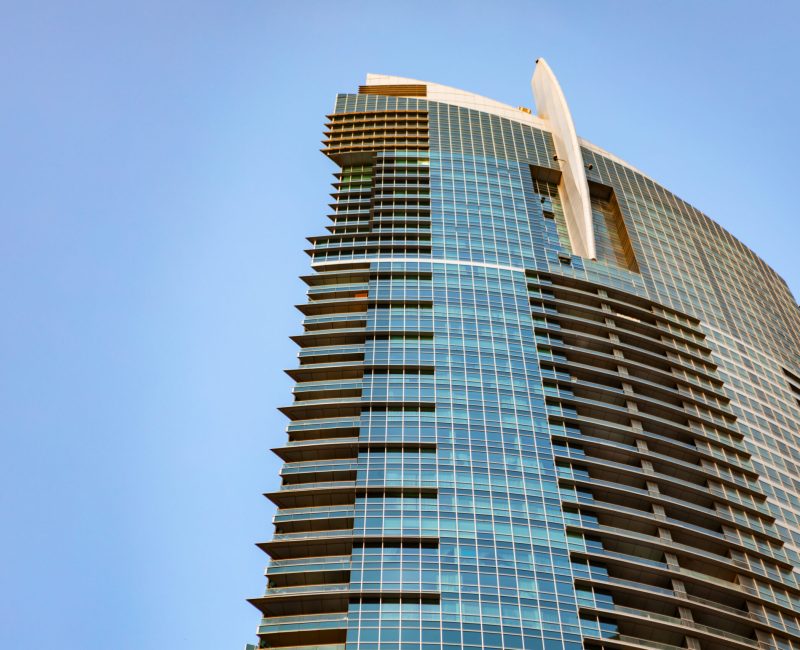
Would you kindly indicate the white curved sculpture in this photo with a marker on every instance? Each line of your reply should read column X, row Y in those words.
column 552, row 108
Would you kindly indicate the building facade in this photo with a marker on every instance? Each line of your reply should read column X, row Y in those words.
column 541, row 402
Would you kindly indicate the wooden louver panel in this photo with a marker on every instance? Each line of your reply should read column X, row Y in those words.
column 371, row 131
column 398, row 90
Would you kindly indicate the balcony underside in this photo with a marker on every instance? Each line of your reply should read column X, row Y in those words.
column 328, row 600
column 279, row 550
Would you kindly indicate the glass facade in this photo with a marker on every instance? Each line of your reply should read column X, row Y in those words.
column 495, row 443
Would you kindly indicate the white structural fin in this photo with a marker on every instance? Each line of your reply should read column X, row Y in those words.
column 552, row 108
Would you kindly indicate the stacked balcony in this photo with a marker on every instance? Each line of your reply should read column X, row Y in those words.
column 391, row 220
column 356, row 136
column 380, row 210
column 671, row 541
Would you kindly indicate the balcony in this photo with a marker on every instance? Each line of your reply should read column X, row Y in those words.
column 340, row 336
column 310, row 564
column 706, row 537
column 307, row 599
column 608, row 491
column 622, row 413
column 331, row 354
column 304, row 630
column 324, row 598
column 677, row 438
column 303, row 472
column 587, row 291
column 340, row 387
column 627, row 537
column 334, row 306
column 337, row 448
column 628, row 474
column 588, row 432
column 717, row 581
column 684, row 466
column 322, row 371
column 596, row 351
column 670, row 623
column 308, row 545
column 315, row 409
column 627, row 642
column 638, row 328
column 314, row 431
column 328, row 493
column 652, row 355
column 350, row 321
column 311, row 450
column 668, row 387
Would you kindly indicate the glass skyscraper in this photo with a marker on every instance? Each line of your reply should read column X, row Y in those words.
column 541, row 402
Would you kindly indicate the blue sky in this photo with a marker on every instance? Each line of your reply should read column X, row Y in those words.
column 160, row 172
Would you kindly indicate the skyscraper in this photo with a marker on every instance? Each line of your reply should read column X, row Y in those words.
column 541, row 402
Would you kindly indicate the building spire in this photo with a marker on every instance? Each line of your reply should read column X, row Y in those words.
column 551, row 106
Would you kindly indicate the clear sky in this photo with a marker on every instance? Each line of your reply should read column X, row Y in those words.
column 160, row 172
